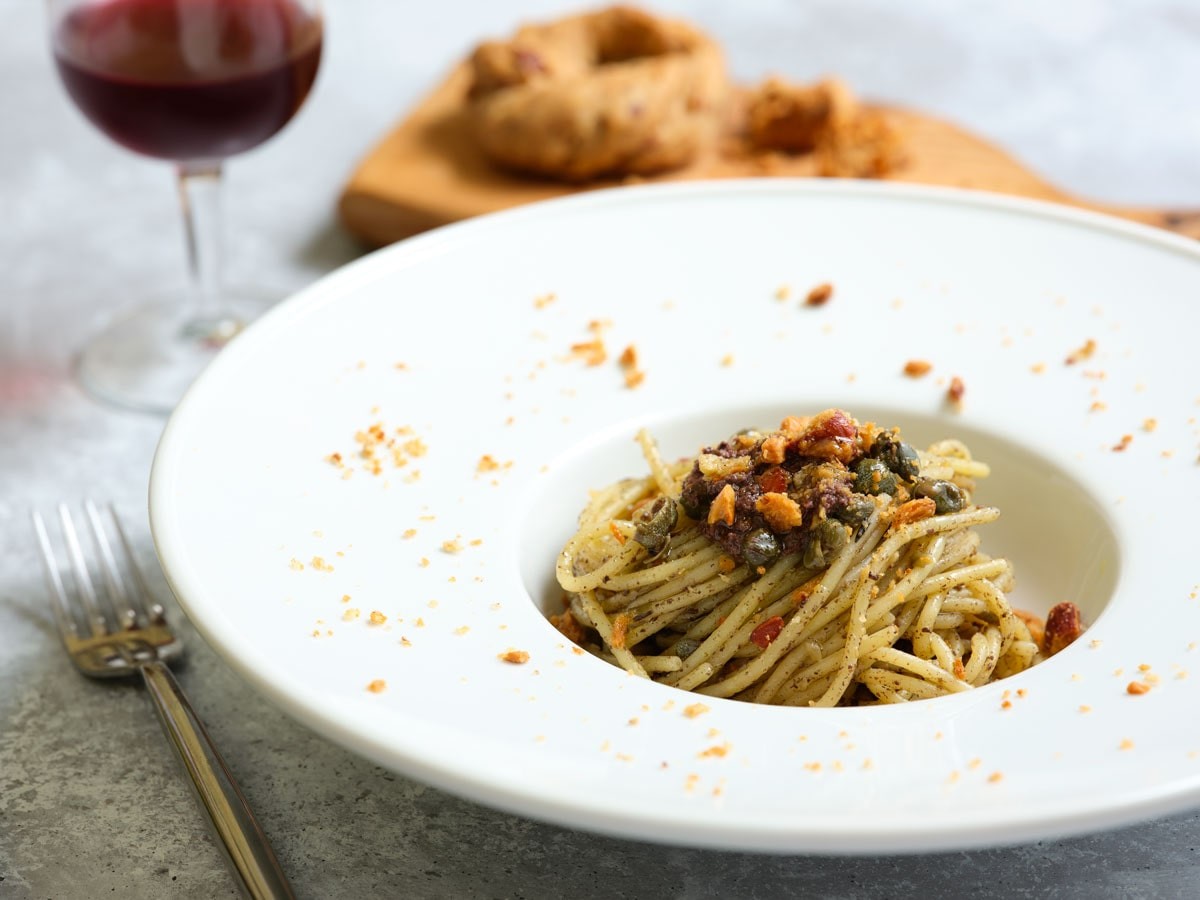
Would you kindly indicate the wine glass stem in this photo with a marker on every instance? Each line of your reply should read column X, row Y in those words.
column 200, row 200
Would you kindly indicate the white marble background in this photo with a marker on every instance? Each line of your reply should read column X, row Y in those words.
column 1099, row 96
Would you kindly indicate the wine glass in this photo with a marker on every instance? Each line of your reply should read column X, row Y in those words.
column 193, row 82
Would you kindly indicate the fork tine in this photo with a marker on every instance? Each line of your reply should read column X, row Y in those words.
column 83, row 581
column 150, row 607
column 121, row 600
column 62, row 614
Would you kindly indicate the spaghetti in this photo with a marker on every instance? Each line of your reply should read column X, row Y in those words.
column 825, row 563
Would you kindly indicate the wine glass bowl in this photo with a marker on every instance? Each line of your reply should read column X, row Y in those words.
column 193, row 82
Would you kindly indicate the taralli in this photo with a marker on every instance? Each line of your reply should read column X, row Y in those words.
column 614, row 92
column 825, row 118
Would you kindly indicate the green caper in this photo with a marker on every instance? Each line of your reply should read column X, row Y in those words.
column 654, row 523
column 898, row 456
column 872, row 476
column 824, row 540
column 856, row 512
column 760, row 548
column 685, row 647
column 947, row 496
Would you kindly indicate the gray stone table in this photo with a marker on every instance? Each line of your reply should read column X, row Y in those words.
column 1099, row 95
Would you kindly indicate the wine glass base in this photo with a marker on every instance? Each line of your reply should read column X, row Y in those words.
column 146, row 360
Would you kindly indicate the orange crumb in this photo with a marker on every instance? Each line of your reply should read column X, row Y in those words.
column 781, row 511
column 722, row 508
column 620, row 628
column 424, row 563
column 409, row 534
column 1126, row 744
column 1097, row 406
column 913, row 511
column 718, row 750
column 628, row 358
column 593, row 352
column 955, row 392
column 1122, row 445
column 915, row 368
column 995, row 777
column 516, row 657
column 695, row 709
column 960, row 671
column 727, row 360
column 1137, row 687
column 783, row 292
column 296, row 564
column 1084, row 352
column 345, row 598
column 774, row 448
column 378, row 686
column 1037, row 368
column 320, row 565
column 616, row 533
column 377, row 618
column 726, row 564
column 1149, row 425
column 544, row 300
column 819, row 295
column 452, row 546
column 1084, row 708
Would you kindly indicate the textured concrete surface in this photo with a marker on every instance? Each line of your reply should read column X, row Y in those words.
column 91, row 803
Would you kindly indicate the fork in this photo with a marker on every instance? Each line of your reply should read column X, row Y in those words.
column 130, row 636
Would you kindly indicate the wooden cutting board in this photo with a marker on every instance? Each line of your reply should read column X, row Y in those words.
column 428, row 172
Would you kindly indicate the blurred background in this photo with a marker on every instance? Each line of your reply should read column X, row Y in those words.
column 1097, row 96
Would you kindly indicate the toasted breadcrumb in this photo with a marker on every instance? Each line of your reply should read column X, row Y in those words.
column 914, row 511
column 693, row 710
column 995, row 777
column 377, row 618
column 727, row 360
column 378, row 686
column 296, row 564
column 1084, row 352
column 781, row 511
column 915, row 368
column 541, row 302
column 1126, row 744
column 819, row 295
column 452, row 546
column 722, row 508
column 1137, row 687
column 1149, row 425
column 516, row 657
column 320, row 565
column 351, row 614
column 1122, row 445
column 409, row 534
column 717, row 750
column 783, row 292
column 955, row 392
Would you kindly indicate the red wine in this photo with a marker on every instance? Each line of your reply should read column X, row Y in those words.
column 189, row 80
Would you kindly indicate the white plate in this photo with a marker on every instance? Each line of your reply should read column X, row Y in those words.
column 996, row 291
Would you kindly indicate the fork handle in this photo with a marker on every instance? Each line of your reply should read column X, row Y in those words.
column 246, row 846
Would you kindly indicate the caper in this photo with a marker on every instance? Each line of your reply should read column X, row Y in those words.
column 898, row 456
column 856, row 512
column 685, row 647
column 947, row 496
column 654, row 523
column 872, row 476
column 824, row 540
column 760, row 548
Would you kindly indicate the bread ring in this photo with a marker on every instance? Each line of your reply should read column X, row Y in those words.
column 611, row 92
